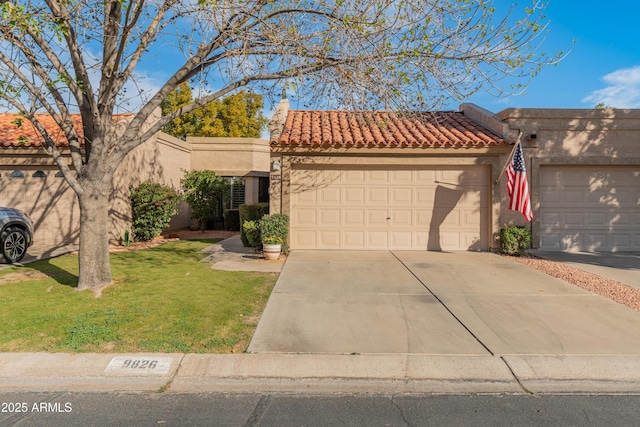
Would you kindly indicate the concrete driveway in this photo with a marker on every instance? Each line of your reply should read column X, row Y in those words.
column 41, row 251
column 436, row 303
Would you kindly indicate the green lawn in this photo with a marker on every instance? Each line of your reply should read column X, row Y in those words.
column 163, row 300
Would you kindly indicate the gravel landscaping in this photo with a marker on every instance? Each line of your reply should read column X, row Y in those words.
column 615, row 291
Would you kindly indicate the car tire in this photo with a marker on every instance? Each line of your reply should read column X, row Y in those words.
column 14, row 244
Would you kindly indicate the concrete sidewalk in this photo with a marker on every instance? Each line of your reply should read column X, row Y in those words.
column 231, row 255
column 315, row 374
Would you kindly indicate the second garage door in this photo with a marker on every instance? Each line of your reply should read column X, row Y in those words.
column 418, row 209
column 590, row 208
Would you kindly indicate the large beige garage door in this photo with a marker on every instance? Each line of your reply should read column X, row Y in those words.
column 592, row 209
column 427, row 208
column 47, row 198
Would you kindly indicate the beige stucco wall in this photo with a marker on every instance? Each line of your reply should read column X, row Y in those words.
column 53, row 204
column 162, row 159
column 230, row 156
column 569, row 137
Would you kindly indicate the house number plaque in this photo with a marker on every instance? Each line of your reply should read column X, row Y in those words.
column 139, row 366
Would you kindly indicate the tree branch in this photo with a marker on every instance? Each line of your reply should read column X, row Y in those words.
column 63, row 119
column 83, row 93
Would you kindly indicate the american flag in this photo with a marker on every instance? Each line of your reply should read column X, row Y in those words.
column 517, row 185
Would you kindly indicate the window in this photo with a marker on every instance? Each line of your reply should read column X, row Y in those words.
column 39, row 174
column 16, row 174
column 237, row 191
column 59, row 175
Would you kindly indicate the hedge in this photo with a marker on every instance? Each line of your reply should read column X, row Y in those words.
column 251, row 212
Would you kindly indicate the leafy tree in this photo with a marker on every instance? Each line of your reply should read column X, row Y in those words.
column 602, row 106
column 236, row 115
column 65, row 56
column 206, row 193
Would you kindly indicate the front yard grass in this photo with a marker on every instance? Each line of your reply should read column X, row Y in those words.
column 163, row 300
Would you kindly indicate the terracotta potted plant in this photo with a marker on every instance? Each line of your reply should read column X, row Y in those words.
column 271, row 247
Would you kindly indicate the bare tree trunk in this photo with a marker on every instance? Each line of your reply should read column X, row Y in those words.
column 95, row 270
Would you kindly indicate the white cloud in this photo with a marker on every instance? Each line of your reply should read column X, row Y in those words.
column 622, row 91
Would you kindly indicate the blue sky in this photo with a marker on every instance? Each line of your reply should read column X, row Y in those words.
column 604, row 65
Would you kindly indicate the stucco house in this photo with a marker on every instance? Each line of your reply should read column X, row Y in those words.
column 30, row 181
column 379, row 180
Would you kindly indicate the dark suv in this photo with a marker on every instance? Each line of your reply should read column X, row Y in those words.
column 16, row 234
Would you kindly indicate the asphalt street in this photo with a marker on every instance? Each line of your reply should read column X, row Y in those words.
column 284, row 410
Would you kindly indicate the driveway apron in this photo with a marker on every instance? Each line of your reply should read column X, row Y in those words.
column 356, row 302
column 460, row 303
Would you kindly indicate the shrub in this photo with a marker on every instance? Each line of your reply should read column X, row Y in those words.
column 152, row 206
column 251, row 212
column 272, row 240
column 515, row 240
column 251, row 231
column 232, row 220
column 275, row 227
column 206, row 193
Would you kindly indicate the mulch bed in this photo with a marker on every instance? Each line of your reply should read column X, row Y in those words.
column 174, row 235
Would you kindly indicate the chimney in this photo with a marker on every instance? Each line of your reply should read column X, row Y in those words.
column 276, row 124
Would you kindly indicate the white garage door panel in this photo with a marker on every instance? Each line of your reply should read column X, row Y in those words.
column 590, row 208
column 437, row 209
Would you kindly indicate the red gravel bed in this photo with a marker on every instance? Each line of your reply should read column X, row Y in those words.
column 613, row 290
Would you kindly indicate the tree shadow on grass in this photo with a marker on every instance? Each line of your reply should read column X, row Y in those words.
column 60, row 275
column 36, row 271
column 172, row 255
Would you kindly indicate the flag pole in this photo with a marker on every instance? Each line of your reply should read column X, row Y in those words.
column 510, row 157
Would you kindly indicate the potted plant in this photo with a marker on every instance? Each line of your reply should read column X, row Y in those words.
column 272, row 247
column 274, row 230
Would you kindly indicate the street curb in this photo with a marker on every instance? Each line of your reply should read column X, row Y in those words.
column 321, row 373
column 80, row 372
column 577, row 373
column 382, row 373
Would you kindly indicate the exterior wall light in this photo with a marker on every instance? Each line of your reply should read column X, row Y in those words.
column 275, row 165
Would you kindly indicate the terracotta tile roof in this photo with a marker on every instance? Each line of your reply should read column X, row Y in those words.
column 383, row 129
column 27, row 136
